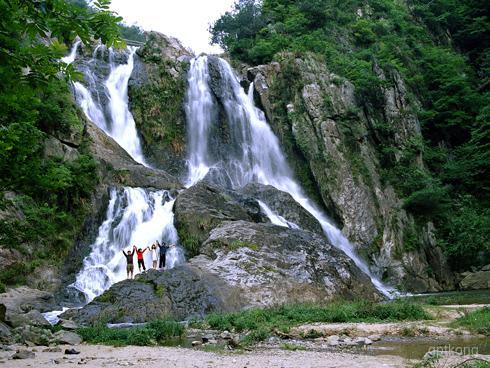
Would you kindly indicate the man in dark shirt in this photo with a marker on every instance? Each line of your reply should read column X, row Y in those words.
column 163, row 252
column 129, row 260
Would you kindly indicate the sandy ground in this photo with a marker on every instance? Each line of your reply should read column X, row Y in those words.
column 104, row 356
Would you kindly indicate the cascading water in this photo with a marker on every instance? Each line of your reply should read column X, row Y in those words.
column 275, row 218
column 258, row 157
column 121, row 125
column 134, row 217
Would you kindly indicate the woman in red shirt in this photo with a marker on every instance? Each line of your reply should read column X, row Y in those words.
column 141, row 260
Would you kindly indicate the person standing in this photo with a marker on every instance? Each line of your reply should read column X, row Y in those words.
column 129, row 263
column 154, row 255
column 141, row 260
column 163, row 253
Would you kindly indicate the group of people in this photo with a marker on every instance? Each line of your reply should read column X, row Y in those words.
column 158, row 251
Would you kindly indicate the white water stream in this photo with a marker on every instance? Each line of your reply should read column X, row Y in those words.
column 259, row 157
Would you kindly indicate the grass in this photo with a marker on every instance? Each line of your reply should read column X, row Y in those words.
column 477, row 321
column 154, row 333
column 262, row 323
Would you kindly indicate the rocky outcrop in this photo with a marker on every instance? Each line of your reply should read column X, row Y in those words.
column 243, row 265
column 236, row 259
column 202, row 207
column 157, row 92
column 23, row 307
column 324, row 129
column 117, row 168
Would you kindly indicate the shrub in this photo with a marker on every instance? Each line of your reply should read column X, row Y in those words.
column 157, row 332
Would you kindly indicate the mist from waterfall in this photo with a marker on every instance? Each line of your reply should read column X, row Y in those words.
column 257, row 157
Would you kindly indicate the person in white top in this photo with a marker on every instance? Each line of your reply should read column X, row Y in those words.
column 154, row 255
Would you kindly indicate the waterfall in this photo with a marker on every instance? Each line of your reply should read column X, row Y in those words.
column 134, row 217
column 257, row 157
column 199, row 109
column 70, row 58
column 120, row 125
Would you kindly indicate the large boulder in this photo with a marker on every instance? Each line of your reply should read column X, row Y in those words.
column 183, row 292
column 23, row 306
column 276, row 265
column 476, row 280
column 203, row 207
column 24, row 299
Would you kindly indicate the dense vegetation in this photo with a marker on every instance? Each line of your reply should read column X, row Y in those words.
column 42, row 198
column 441, row 49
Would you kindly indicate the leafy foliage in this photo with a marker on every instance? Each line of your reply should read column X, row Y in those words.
column 49, row 193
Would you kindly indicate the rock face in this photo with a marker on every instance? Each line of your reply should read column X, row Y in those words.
column 157, row 92
column 328, row 139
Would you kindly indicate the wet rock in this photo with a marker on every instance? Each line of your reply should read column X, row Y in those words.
column 67, row 338
column 157, row 91
column 117, row 167
column 196, row 343
column 284, row 205
column 24, row 354
column 374, row 337
column 3, row 310
column 331, row 145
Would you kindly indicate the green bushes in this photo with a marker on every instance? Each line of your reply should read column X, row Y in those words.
column 477, row 321
column 261, row 323
column 154, row 333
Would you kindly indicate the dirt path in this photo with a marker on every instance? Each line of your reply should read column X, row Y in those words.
column 156, row 357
